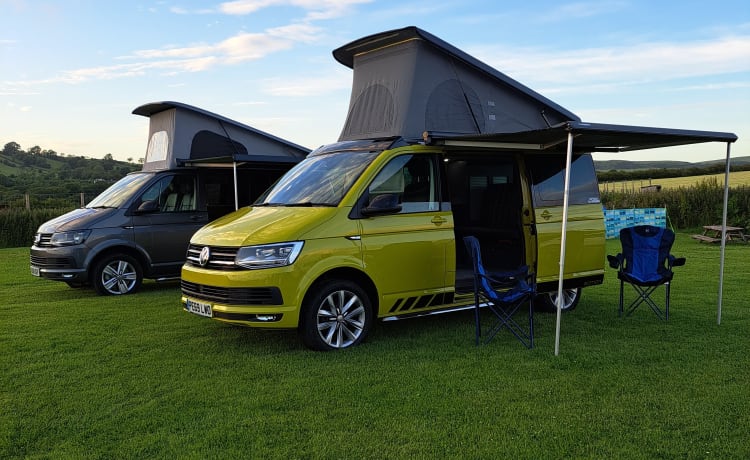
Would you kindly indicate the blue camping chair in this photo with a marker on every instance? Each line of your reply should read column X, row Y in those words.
column 645, row 263
column 502, row 293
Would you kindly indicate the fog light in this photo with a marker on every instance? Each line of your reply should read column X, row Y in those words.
column 267, row 318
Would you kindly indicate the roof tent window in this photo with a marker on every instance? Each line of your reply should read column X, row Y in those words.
column 373, row 112
column 548, row 180
column 158, row 146
column 454, row 107
column 207, row 144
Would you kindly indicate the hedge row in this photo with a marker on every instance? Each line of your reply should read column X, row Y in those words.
column 18, row 226
column 686, row 207
column 689, row 207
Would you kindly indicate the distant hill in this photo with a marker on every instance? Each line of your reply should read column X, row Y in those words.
column 624, row 165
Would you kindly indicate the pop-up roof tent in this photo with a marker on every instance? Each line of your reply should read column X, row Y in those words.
column 181, row 135
column 408, row 83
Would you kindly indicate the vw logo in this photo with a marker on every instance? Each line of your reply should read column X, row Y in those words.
column 204, row 256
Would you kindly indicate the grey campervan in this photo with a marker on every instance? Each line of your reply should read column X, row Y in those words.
column 198, row 167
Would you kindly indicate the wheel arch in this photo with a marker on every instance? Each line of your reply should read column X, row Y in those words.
column 350, row 274
column 131, row 251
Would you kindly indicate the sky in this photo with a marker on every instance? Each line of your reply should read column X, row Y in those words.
column 72, row 71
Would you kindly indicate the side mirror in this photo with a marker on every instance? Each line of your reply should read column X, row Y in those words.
column 147, row 207
column 386, row 203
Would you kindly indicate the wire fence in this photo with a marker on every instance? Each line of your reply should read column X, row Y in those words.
column 31, row 201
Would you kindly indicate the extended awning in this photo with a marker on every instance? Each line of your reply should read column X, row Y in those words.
column 588, row 137
column 577, row 136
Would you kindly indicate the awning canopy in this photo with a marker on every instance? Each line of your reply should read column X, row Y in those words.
column 587, row 137
column 576, row 136
column 238, row 159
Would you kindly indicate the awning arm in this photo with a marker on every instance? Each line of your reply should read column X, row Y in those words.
column 563, row 241
column 234, row 173
column 723, row 233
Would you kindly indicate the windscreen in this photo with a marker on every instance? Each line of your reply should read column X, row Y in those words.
column 121, row 191
column 320, row 180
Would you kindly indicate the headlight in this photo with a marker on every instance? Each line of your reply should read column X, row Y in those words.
column 69, row 238
column 268, row 255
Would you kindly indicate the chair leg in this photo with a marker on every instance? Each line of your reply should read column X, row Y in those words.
column 477, row 324
column 531, row 322
column 644, row 296
column 504, row 319
column 619, row 310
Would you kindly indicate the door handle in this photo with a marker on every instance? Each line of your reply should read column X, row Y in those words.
column 546, row 214
column 438, row 220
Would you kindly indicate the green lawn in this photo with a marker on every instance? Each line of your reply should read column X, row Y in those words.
column 136, row 377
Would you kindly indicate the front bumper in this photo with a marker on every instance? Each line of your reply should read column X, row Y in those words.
column 58, row 264
column 253, row 299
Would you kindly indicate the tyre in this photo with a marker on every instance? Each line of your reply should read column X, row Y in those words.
column 117, row 274
column 337, row 315
column 548, row 301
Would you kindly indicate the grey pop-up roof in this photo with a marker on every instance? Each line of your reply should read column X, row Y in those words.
column 407, row 81
column 183, row 135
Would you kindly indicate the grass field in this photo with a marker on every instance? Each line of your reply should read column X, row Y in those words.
column 736, row 179
column 83, row 376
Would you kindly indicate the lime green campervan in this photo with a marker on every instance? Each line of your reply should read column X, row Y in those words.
column 436, row 146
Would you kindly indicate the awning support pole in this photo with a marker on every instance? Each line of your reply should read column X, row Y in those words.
column 563, row 241
column 723, row 233
column 234, row 173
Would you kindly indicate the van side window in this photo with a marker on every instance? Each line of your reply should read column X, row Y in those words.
column 413, row 179
column 548, row 179
column 173, row 194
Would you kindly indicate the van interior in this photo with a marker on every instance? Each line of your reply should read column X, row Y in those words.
column 219, row 187
column 486, row 200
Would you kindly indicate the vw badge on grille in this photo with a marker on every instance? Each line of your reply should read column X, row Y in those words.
column 204, row 256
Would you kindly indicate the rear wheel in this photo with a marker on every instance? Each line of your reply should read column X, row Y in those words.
column 548, row 300
column 337, row 315
column 117, row 274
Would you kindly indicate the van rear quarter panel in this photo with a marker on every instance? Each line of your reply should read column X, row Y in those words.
column 585, row 243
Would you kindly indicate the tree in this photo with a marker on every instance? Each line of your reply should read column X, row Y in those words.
column 11, row 148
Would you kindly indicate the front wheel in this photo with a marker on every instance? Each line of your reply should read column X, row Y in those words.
column 117, row 274
column 548, row 300
column 337, row 315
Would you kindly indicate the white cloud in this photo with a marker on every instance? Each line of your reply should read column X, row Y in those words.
column 312, row 86
column 317, row 9
column 635, row 63
column 234, row 50
column 582, row 10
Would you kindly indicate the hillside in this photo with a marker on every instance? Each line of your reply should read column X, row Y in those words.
column 620, row 165
column 45, row 172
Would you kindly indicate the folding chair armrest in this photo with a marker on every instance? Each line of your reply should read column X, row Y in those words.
column 508, row 279
column 676, row 261
column 615, row 261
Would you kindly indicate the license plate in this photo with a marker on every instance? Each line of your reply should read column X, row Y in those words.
column 199, row 308
column 35, row 270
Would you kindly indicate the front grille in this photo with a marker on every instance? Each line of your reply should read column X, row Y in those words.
column 43, row 240
column 233, row 296
column 51, row 262
column 220, row 258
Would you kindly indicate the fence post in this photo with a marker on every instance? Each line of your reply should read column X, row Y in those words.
column 83, row 199
column 27, row 200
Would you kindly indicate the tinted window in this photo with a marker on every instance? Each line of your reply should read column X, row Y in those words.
column 413, row 179
column 172, row 193
column 547, row 173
